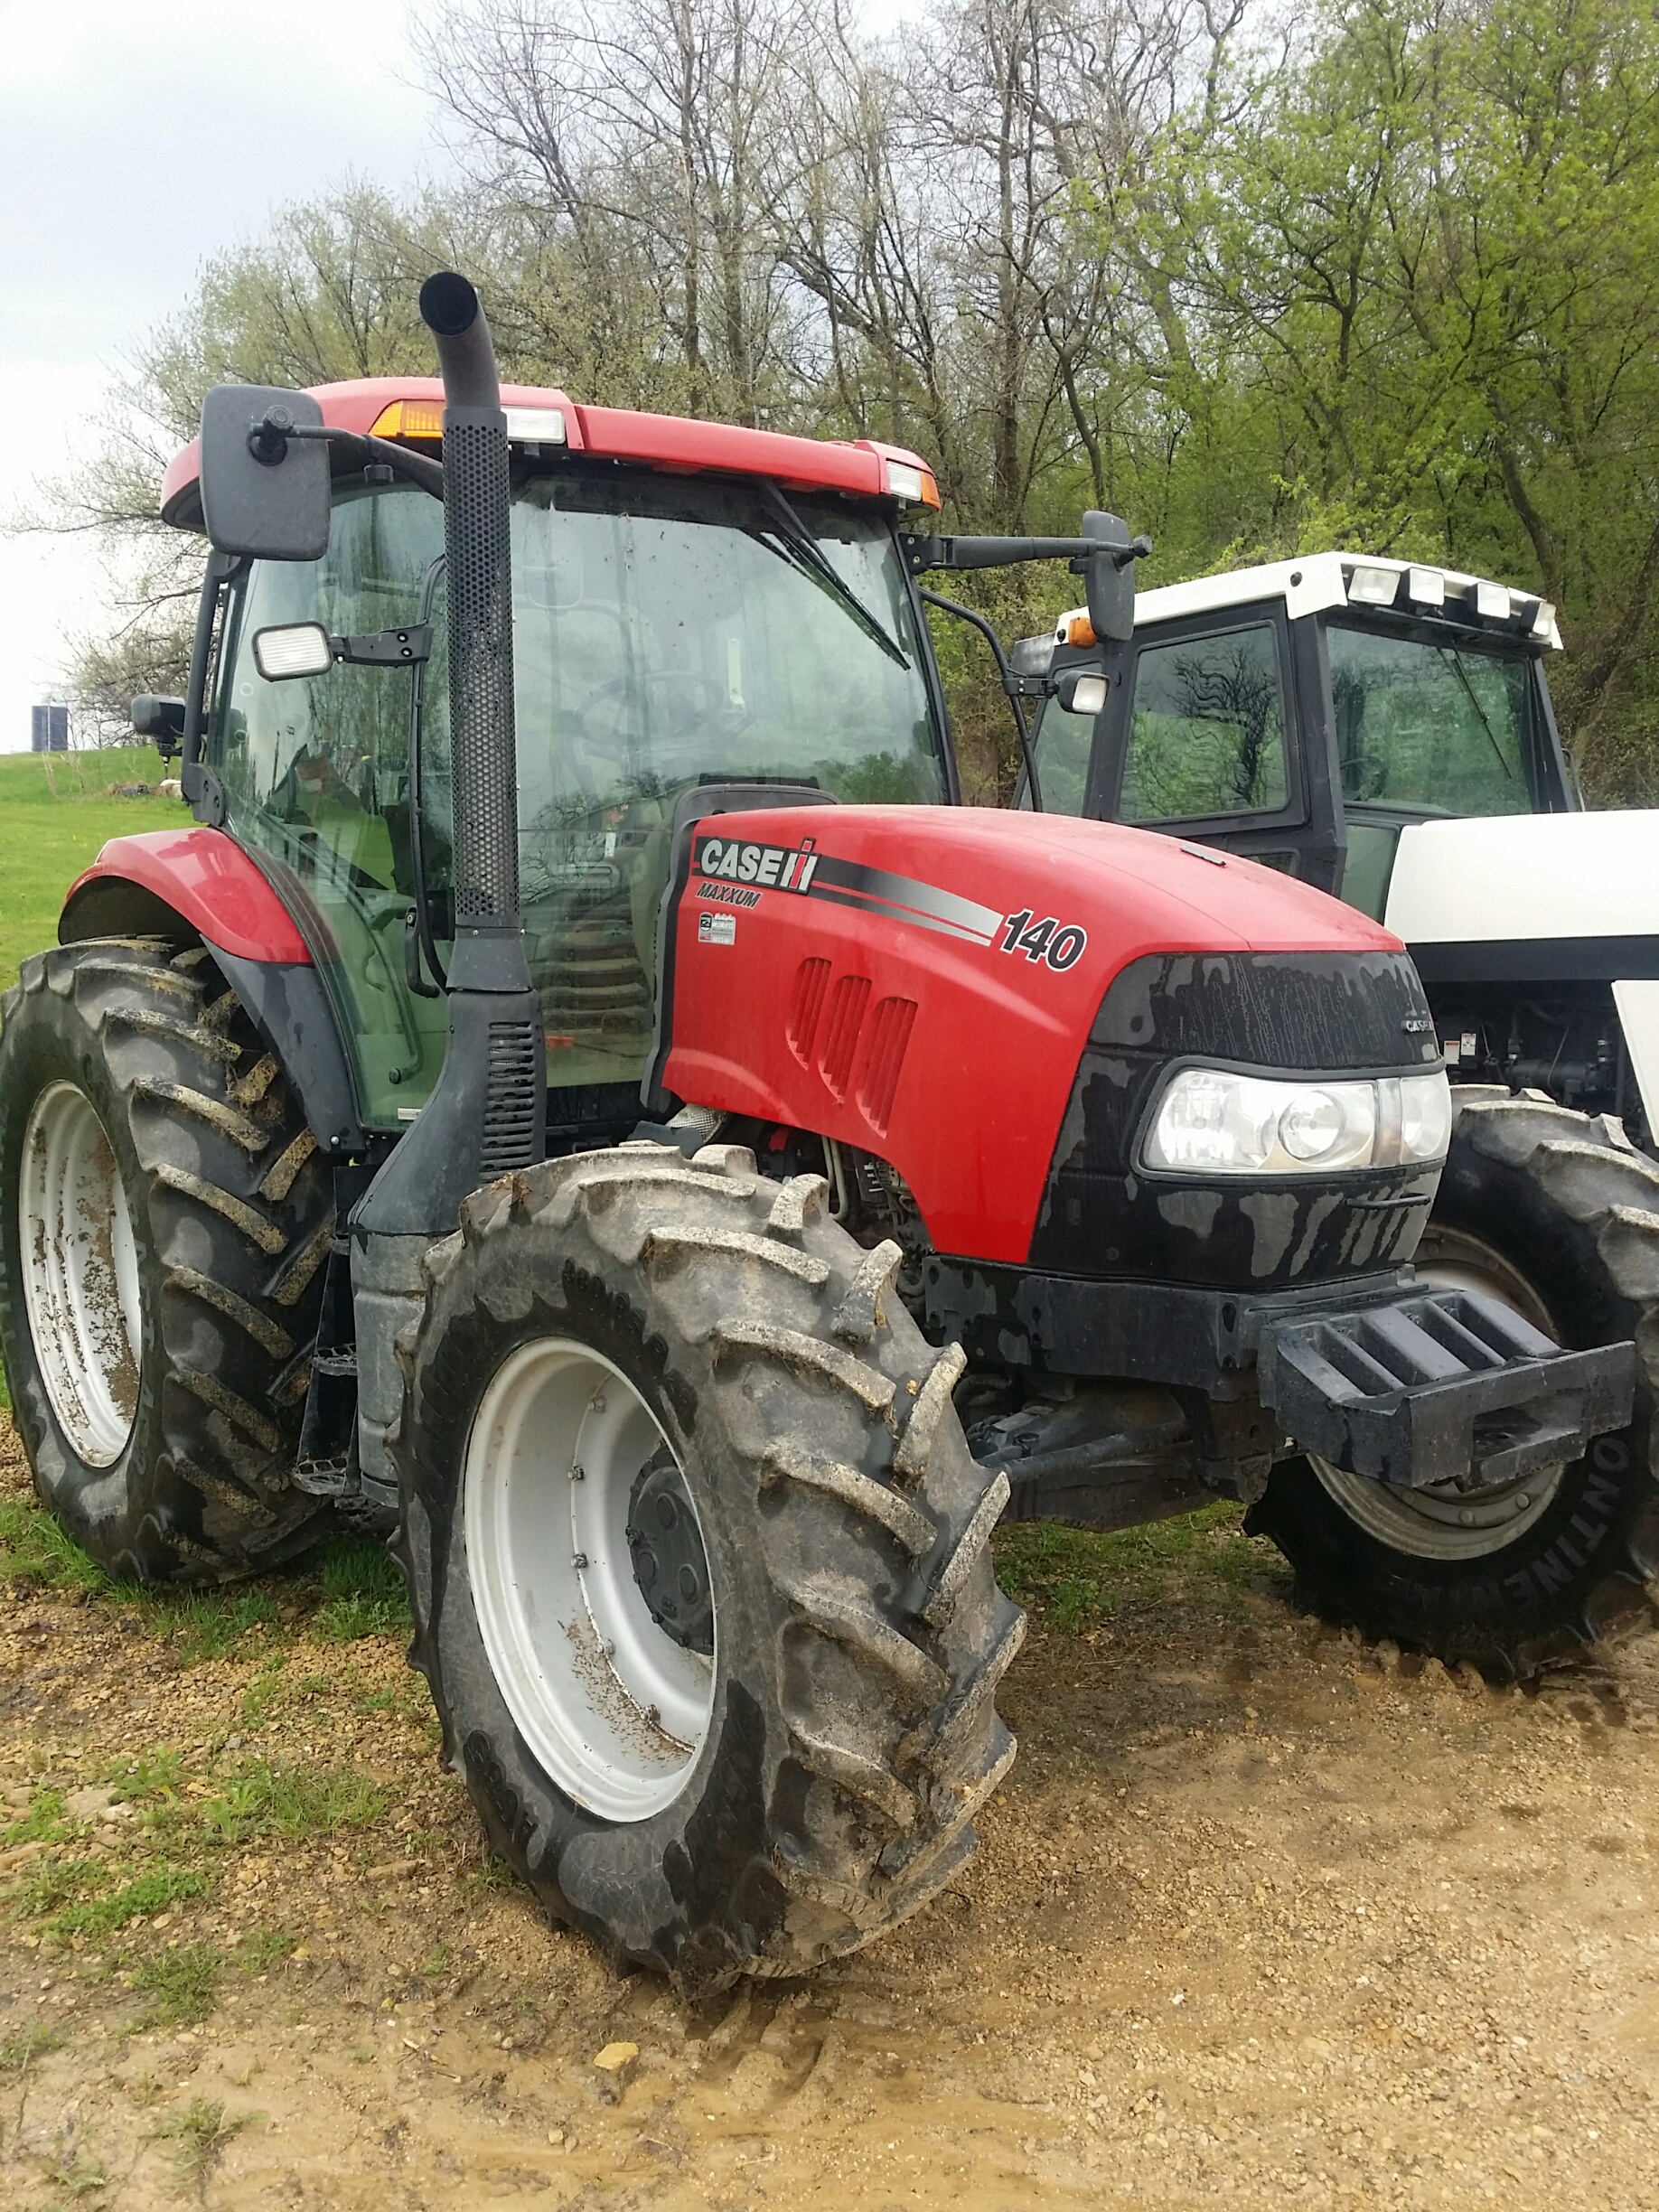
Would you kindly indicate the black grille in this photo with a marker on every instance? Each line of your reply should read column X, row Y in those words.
column 477, row 541
column 1305, row 1013
column 1319, row 1011
column 509, row 1130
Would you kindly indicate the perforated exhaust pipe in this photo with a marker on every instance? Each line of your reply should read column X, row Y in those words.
column 486, row 1115
column 477, row 541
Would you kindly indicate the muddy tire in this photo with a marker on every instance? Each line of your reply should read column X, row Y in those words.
column 163, row 1227
column 1559, row 1215
column 791, row 1763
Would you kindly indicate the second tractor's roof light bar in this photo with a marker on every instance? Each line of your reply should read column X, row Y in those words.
column 1416, row 589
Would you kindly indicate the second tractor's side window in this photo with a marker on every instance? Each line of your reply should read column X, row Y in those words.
column 1207, row 728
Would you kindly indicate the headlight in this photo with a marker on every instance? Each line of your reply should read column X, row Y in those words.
column 1211, row 1122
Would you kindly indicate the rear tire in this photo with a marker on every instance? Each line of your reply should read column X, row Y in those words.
column 826, row 1773
column 1559, row 1215
column 164, row 1220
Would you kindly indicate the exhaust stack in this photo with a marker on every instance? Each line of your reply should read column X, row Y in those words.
column 477, row 532
column 486, row 1115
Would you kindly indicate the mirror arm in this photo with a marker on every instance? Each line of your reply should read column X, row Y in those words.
column 964, row 553
column 1100, row 557
column 356, row 444
column 1009, row 681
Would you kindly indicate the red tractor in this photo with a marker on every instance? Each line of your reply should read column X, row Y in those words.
column 584, row 1089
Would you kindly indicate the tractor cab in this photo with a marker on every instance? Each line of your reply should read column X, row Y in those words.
column 691, row 602
column 1308, row 712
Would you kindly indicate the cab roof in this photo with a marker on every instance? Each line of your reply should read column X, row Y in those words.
column 1315, row 582
column 410, row 408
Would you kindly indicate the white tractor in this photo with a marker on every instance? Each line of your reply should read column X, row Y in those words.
column 1383, row 729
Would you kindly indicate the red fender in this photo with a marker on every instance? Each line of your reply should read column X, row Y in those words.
column 201, row 874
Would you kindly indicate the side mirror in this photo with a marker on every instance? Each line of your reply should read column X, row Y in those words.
column 1109, row 575
column 160, row 719
column 264, row 491
column 1033, row 656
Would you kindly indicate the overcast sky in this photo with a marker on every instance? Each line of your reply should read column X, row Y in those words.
column 138, row 138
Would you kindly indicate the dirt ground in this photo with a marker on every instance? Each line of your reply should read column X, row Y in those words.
column 1262, row 1916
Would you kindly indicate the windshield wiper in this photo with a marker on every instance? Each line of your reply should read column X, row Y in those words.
column 1463, row 678
column 797, row 544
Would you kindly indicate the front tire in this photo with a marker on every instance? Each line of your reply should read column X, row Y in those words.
column 1558, row 1215
column 163, row 1221
column 745, row 1753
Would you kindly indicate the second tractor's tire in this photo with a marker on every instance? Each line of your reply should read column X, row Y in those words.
column 1558, row 1215
column 787, row 1775
column 164, row 1222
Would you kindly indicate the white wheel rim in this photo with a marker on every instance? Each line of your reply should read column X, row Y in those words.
column 1442, row 1521
column 81, row 1273
column 614, row 1709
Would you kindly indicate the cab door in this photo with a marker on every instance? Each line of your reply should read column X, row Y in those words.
column 1216, row 735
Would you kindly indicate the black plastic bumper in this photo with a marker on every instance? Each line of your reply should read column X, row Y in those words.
column 1443, row 1386
column 1379, row 1375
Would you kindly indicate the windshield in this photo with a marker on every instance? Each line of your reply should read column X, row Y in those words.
column 1437, row 727
column 665, row 630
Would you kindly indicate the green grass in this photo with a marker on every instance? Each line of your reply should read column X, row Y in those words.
column 349, row 1586
column 58, row 813
column 205, row 1624
column 1072, row 1580
column 292, row 1802
column 363, row 1591
column 150, row 1893
column 43, row 1823
column 200, row 2134
column 31, row 1543
column 181, row 1985
column 24, row 2045
column 263, row 1947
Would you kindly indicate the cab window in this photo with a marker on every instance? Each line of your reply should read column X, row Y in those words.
column 1206, row 728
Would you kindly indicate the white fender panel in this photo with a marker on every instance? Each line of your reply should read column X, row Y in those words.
column 1510, row 878
column 1638, row 1018
column 1502, row 876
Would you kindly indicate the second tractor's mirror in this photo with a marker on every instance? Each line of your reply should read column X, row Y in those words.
column 264, row 491
column 293, row 649
column 1110, row 577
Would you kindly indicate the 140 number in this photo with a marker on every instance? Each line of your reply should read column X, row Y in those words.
column 1059, row 946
